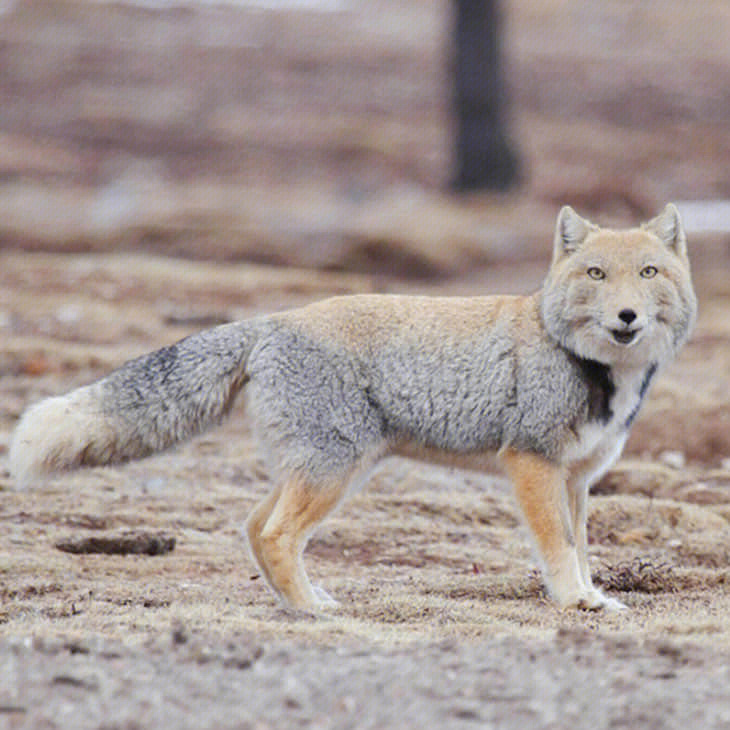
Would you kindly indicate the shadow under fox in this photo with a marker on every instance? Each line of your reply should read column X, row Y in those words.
column 552, row 382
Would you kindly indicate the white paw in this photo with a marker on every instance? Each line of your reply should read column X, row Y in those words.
column 324, row 600
column 597, row 601
column 613, row 604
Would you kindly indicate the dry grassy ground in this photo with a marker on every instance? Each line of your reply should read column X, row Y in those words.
column 424, row 557
column 112, row 156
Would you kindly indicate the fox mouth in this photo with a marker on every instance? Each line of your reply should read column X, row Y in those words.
column 624, row 336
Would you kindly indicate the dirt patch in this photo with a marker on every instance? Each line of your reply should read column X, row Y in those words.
column 125, row 543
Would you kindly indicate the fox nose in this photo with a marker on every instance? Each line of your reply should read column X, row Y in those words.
column 627, row 316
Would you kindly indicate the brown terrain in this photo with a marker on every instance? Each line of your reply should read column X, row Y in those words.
column 167, row 168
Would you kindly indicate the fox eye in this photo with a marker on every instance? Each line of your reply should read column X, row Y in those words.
column 648, row 272
column 595, row 273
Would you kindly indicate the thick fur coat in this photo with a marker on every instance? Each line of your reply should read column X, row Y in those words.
column 551, row 381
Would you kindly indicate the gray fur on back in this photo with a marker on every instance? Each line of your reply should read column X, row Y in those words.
column 480, row 395
column 319, row 408
column 312, row 404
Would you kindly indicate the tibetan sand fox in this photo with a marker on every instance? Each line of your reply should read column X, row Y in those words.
column 552, row 382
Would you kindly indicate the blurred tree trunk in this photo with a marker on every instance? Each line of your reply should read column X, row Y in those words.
column 484, row 158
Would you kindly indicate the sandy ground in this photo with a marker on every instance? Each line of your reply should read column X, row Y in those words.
column 127, row 224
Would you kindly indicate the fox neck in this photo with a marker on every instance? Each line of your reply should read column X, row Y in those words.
column 616, row 392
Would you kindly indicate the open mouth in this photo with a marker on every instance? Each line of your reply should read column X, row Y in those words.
column 623, row 337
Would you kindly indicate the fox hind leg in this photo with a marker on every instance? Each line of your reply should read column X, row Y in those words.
column 278, row 530
column 255, row 526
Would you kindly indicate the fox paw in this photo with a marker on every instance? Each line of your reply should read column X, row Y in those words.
column 597, row 601
column 324, row 600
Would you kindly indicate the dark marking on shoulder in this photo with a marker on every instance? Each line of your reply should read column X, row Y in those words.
column 645, row 383
column 601, row 389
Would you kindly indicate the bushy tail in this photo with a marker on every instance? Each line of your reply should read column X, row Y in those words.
column 145, row 406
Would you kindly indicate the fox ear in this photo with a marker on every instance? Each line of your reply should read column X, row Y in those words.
column 570, row 232
column 667, row 227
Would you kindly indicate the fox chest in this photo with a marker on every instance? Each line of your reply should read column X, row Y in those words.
column 598, row 442
column 596, row 447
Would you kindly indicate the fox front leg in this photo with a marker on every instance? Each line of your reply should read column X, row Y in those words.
column 578, row 486
column 540, row 488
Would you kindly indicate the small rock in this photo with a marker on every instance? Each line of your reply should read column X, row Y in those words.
column 673, row 459
column 179, row 633
column 636, row 536
column 155, row 484
column 35, row 365
column 69, row 314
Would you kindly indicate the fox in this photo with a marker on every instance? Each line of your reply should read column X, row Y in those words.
column 551, row 382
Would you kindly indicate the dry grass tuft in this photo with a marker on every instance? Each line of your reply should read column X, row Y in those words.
column 638, row 575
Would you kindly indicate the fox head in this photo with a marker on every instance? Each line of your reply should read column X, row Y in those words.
column 620, row 297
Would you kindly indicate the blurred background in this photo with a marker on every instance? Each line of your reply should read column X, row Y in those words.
column 324, row 133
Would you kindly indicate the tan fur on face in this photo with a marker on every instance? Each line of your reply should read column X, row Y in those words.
column 580, row 311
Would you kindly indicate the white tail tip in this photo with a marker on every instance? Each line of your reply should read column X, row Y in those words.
column 52, row 435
